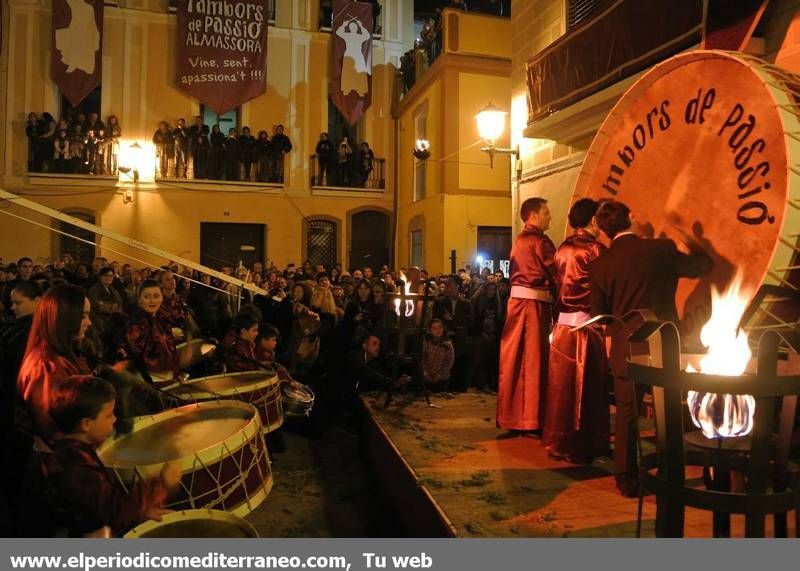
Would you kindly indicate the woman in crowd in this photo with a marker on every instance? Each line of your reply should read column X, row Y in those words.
column 304, row 343
column 114, row 132
column 52, row 355
column 365, row 163
column 344, row 155
column 148, row 339
column 360, row 316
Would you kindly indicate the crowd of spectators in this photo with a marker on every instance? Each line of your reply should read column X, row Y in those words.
column 200, row 152
column 340, row 164
column 75, row 144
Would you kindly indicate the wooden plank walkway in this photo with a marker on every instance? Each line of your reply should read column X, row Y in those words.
column 490, row 487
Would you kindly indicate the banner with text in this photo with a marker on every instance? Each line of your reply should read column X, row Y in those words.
column 351, row 73
column 77, row 52
column 222, row 51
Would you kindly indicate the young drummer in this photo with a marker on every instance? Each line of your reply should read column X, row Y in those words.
column 148, row 338
column 265, row 351
column 239, row 344
column 83, row 409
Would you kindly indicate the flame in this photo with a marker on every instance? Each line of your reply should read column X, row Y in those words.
column 409, row 308
column 728, row 354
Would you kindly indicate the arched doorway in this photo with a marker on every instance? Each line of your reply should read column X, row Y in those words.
column 80, row 251
column 369, row 239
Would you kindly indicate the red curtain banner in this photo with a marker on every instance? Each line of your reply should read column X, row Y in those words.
column 221, row 56
column 77, row 53
column 351, row 73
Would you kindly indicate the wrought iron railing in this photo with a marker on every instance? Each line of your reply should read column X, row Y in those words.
column 215, row 166
column 351, row 174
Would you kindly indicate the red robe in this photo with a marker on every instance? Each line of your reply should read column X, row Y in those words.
column 149, row 339
column 40, row 373
column 91, row 497
column 524, row 347
column 173, row 311
column 239, row 354
column 576, row 411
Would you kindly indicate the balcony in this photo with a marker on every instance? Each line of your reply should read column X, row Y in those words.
column 458, row 33
column 215, row 168
column 619, row 42
column 348, row 177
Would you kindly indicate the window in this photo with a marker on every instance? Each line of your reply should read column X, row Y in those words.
column 420, row 169
column 417, row 249
column 321, row 242
column 229, row 120
column 338, row 126
column 581, row 11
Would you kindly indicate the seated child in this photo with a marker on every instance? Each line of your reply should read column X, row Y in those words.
column 82, row 408
column 239, row 347
column 265, row 352
column 438, row 357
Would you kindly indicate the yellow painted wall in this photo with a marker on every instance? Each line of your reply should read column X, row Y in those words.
column 463, row 192
column 477, row 34
column 138, row 87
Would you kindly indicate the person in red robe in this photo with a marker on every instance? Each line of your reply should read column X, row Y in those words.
column 59, row 324
column 576, row 419
column 173, row 310
column 524, row 347
column 88, row 496
column 239, row 346
column 148, row 338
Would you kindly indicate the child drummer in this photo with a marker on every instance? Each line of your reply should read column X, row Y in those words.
column 239, row 347
column 265, row 352
column 82, row 408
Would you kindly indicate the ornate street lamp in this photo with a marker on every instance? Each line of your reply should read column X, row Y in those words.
column 491, row 123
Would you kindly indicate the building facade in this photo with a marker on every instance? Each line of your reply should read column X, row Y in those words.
column 211, row 222
column 454, row 207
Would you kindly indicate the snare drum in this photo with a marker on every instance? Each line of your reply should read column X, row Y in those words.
column 298, row 400
column 220, row 447
column 194, row 523
column 259, row 388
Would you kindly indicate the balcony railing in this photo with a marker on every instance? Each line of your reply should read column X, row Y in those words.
column 215, row 166
column 624, row 39
column 347, row 175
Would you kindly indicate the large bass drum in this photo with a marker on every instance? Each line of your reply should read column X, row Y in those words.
column 259, row 388
column 707, row 144
column 195, row 524
column 220, row 447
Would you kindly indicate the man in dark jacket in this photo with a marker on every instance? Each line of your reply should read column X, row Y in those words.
column 281, row 146
column 324, row 152
column 635, row 273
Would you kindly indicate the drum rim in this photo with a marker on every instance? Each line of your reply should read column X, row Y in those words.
column 230, row 392
column 782, row 253
column 208, row 455
column 189, row 515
